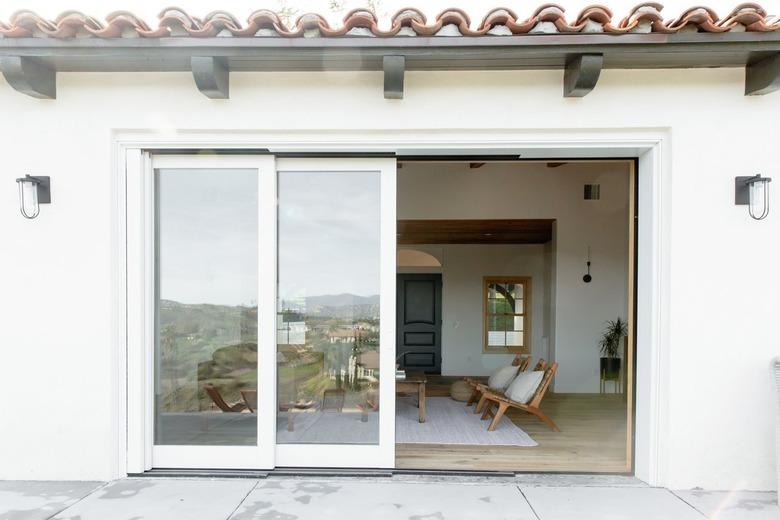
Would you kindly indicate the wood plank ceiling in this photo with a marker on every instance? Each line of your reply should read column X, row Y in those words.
column 514, row 231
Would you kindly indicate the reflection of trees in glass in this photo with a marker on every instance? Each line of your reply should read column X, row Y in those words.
column 232, row 368
column 331, row 358
column 354, row 383
column 503, row 300
column 202, row 344
column 167, row 357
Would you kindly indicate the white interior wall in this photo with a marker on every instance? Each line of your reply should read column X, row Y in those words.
column 530, row 190
column 720, row 335
column 463, row 267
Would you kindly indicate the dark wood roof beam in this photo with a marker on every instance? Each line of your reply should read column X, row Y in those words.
column 581, row 74
column 212, row 76
column 394, row 67
column 763, row 76
column 29, row 76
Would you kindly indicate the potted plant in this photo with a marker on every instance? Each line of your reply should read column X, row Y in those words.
column 610, row 342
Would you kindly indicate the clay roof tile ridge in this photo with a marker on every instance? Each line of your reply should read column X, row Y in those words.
column 409, row 21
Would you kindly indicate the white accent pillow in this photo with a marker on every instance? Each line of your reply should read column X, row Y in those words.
column 501, row 378
column 524, row 386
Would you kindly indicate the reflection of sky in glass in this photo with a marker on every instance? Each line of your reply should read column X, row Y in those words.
column 208, row 236
column 328, row 233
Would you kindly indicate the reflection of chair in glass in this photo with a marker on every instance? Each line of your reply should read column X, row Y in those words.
column 371, row 404
column 333, row 399
column 212, row 392
column 250, row 398
column 370, row 401
column 291, row 408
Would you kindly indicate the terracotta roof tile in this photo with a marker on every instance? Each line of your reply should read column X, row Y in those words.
column 176, row 22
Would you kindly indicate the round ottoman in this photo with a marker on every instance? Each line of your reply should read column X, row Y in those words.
column 460, row 391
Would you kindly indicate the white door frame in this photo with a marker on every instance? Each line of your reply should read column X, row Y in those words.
column 141, row 298
column 650, row 145
column 141, row 315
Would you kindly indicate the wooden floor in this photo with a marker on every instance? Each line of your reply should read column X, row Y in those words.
column 592, row 439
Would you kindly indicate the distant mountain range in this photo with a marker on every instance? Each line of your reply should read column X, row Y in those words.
column 343, row 305
column 339, row 306
column 348, row 306
column 341, row 300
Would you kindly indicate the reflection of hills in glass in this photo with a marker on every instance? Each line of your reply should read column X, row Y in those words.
column 217, row 344
column 335, row 305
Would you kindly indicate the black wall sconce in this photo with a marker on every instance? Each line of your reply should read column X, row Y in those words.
column 753, row 192
column 33, row 191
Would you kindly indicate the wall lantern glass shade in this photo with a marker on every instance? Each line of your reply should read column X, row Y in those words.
column 33, row 191
column 754, row 192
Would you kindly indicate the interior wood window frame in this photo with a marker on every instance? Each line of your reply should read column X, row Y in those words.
column 526, row 282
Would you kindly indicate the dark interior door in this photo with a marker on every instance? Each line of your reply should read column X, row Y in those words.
column 418, row 334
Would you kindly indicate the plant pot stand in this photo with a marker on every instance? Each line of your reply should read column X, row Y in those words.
column 611, row 369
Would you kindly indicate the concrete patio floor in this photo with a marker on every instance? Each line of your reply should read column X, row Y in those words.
column 532, row 497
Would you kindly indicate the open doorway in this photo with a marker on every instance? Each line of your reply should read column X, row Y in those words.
column 535, row 263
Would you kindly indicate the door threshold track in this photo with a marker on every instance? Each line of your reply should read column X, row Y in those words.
column 454, row 473
column 201, row 473
column 330, row 472
column 333, row 472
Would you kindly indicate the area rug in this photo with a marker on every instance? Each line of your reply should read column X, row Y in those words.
column 452, row 422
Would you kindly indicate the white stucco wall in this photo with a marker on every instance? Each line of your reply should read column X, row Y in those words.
column 534, row 191
column 717, row 429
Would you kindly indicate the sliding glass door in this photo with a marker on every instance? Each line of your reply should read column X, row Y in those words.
column 213, row 286
column 335, row 305
column 273, row 301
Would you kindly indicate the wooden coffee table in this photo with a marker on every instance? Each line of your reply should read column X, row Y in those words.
column 414, row 383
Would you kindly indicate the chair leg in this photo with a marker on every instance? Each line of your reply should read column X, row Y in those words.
column 497, row 418
column 545, row 419
column 488, row 410
column 482, row 400
column 473, row 398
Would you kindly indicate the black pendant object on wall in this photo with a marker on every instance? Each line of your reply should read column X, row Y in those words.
column 587, row 278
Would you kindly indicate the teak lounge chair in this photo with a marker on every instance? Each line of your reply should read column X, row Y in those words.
column 504, row 403
column 478, row 394
column 520, row 361
column 212, row 392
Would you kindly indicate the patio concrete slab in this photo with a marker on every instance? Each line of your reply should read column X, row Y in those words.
column 608, row 503
column 153, row 499
column 407, row 497
column 733, row 505
column 328, row 499
column 566, row 480
column 39, row 500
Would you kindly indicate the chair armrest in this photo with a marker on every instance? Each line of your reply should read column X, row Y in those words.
column 502, row 399
column 489, row 393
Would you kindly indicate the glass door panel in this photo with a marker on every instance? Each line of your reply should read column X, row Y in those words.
column 334, row 360
column 328, row 340
column 208, row 303
column 206, row 355
column 243, row 378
